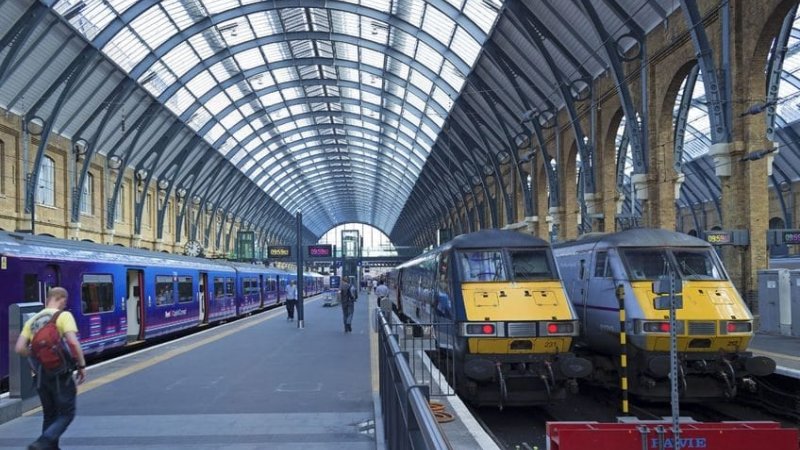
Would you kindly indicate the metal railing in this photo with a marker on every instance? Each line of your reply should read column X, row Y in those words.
column 407, row 418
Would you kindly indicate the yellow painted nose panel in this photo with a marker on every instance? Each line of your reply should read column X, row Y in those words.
column 483, row 299
column 516, row 301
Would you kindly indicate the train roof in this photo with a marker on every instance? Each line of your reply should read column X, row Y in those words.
column 492, row 238
column 637, row 237
column 495, row 238
column 46, row 247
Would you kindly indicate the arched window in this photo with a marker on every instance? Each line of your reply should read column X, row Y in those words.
column 87, row 195
column 45, row 192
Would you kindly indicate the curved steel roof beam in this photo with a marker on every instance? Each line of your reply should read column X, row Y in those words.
column 213, row 20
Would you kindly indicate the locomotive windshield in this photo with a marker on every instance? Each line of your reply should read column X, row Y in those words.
column 482, row 265
column 692, row 263
column 531, row 265
column 491, row 265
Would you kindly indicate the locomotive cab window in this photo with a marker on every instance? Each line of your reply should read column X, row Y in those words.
column 601, row 266
column 482, row 265
column 646, row 263
column 698, row 264
column 185, row 290
column 533, row 264
column 97, row 294
column 165, row 294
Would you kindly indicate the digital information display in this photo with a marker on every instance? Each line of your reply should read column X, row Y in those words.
column 279, row 251
column 320, row 251
column 719, row 237
column 335, row 281
column 791, row 237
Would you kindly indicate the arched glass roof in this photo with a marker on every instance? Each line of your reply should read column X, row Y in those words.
column 294, row 92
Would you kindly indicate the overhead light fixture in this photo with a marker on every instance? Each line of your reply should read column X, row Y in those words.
column 163, row 184
column 114, row 162
column 181, row 193
column 36, row 126
column 228, row 27
column 80, row 147
column 147, row 78
column 141, row 174
column 73, row 10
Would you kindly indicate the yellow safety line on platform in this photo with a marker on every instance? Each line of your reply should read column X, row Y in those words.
column 113, row 376
column 774, row 355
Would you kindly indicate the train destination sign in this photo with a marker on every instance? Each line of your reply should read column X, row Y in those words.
column 320, row 251
column 279, row 251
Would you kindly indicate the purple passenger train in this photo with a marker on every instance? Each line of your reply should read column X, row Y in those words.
column 121, row 295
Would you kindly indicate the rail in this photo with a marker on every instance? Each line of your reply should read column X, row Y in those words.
column 407, row 418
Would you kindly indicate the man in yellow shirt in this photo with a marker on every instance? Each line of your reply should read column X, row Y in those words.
column 57, row 391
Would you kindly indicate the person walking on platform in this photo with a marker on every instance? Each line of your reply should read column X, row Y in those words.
column 53, row 365
column 382, row 291
column 348, row 303
column 291, row 300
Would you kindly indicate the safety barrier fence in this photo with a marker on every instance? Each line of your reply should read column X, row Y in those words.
column 407, row 418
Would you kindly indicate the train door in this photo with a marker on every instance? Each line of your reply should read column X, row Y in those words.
column 202, row 297
column 262, row 289
column 277, row 289
column 36, row 285
column 134, row 305
column 602, row 287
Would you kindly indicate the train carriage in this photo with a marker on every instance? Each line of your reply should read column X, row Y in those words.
column 714, row 326
column 119, row 295
column 507, row 322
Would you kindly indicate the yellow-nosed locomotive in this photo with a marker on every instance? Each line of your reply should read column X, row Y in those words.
column 510, row 322
column 714, row 326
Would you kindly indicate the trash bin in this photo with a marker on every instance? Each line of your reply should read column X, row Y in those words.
column 20, row 380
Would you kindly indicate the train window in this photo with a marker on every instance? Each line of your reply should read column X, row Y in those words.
column 482, row 265
column 646, row 263
column 246, row 286
column 31, row 293
column 601, row 268
column 273, row 285
column 97, row 294
column 165, row 294
column 698, row 264
column 531, row 265
column 185, row 290
column 219, row 288
column 229, row 289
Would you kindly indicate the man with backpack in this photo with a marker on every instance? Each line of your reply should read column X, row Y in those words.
column 43, row 339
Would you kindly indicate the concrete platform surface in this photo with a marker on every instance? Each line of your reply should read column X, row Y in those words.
column 256, row 383
column 785, row 350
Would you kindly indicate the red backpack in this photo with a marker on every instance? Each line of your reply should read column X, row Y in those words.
column 47, row 347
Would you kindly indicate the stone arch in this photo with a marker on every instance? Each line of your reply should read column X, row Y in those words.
column 755, row 80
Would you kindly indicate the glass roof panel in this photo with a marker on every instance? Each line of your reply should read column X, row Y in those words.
column 385, row 113
column 438, row 25
column 153, row 26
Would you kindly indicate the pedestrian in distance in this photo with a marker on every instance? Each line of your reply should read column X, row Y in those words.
column 291, row 300
column 382, row 291
column 53, row 364
column 347, row 299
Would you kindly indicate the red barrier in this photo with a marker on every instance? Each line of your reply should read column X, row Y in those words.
column 694, row 435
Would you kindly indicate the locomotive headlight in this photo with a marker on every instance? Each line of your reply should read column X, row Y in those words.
column 655, row 327
column 558, row 329
column 480, row 329
column 739, row 327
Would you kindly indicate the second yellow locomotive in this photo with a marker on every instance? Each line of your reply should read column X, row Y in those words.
column 511, row 326
column 714, row 326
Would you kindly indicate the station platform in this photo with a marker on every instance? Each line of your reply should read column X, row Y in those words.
column 255, row 383
column 785, row 350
